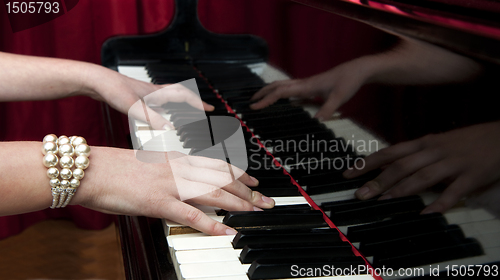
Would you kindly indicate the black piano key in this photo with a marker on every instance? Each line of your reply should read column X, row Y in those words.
column 287, row 235
column 281, row 111
column 321, row 178
column 468, row 248
column 336, row 186
column 275, row 180
column 312, row 166
column 294, row 251
column 301, row 140
column 244, row 219
column 270, row 171
column 283, row 192
column 371, row 211
column 267, row 269
column 227, row 93
column 299, row 130
column 396, row 227
column 284, row 149
column 296, row 118
column 434, row 238
column 283, row 126
column 279, row 208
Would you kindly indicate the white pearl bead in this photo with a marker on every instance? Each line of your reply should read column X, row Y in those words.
column 54, row 183
column 78, row 174
column 63, row 140
column 66, row 162
column 50, row 160
column 49, row 147
column 66, row 149
column 71, row 139
column 50, row 138
column 79, row 140
column 66, row 173
column 53, row 173
column 74, row 183
column 82, row 150
column 64, row 184
column 82, row 162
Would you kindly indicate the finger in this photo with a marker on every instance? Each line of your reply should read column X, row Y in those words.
column 218, row 197
column 266, row 90
column 208, row 107
column 174, row 93
column 451, row 195
column 219, row 165
column 190, row 216
column 395, row 172
column 384, row 157
column 283, row 91
column 245, row 193
column 140, row 111
column 422, row 179
column 331, row 105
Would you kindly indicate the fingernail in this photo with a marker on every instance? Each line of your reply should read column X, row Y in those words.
column 255, row 180
column 211, row 107
column 268, row 200
column 427, row 211
column 386, row 196
column 362, row 192
column 168, row 127
column 231, row 231
column 257, row 209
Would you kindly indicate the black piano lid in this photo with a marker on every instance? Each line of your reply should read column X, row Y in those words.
column 468, row 27
column 184, row 39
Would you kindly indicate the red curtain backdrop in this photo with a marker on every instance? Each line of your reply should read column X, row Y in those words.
column 302, row 41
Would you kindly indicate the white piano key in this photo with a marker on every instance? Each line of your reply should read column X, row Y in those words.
column 289, row 200
column 213, row 269
column 491, row 255
column 136, row 72
column 214, row 255
column 201, row 242
column 161, row 141
column 462, row 215
column 241, row 277
column 479, row 228
column 232, row 277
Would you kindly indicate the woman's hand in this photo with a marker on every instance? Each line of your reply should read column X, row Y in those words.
column 467, row 160
column 122, row 92
column 116, row 182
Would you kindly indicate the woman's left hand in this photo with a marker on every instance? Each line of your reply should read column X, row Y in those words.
column 122, row 92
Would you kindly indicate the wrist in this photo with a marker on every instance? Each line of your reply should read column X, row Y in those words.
column 92, row 80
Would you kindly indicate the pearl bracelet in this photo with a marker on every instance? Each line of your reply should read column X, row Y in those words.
column 61, row 151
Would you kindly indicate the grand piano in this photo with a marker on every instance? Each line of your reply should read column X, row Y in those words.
column 317, row 221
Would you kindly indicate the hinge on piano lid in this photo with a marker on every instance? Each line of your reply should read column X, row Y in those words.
column 186, row 49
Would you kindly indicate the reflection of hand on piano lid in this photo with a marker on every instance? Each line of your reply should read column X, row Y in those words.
column 468, row 159
column 411, row 62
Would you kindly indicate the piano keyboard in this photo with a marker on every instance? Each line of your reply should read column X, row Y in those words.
column 197, row 256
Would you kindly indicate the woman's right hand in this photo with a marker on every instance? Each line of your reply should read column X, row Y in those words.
column 117, row 182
